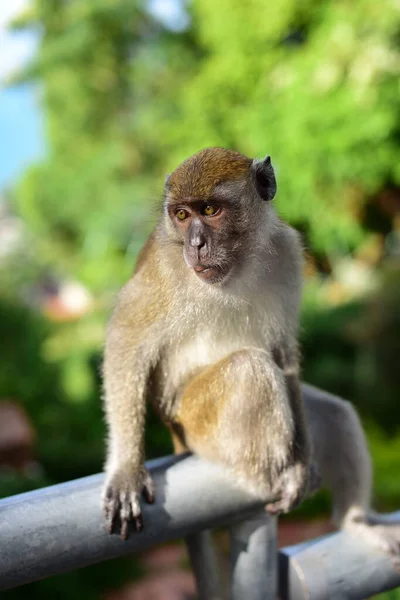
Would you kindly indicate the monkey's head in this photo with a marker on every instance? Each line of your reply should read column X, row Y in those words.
column 215, row 201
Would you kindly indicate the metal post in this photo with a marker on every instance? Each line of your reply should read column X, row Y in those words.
column 254, row 558
column 205, row 565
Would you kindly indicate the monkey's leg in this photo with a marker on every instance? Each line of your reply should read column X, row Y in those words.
column 341, row 453
column 237, row 413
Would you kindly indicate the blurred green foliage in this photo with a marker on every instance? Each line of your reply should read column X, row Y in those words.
column 392, row 595
column 126, row 97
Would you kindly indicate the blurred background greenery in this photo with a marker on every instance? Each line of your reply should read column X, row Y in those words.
column 128, row 90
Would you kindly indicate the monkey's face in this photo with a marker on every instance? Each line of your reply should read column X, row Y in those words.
column 213, row 202
column 210, row 240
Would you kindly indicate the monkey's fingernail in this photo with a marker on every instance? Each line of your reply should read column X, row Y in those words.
column 139, row 524
column 148, row 496
column 124, row 531
column 273, row 510
column 110, row 521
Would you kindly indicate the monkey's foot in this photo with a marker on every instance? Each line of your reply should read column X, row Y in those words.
column 290, row 489
column 121, row 504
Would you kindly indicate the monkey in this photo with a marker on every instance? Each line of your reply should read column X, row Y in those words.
column 198, row 330
column 206, row 330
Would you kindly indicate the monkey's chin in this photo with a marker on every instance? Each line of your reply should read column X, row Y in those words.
column 212, row 275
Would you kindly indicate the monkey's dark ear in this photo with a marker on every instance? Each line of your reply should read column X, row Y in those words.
column 264, row 178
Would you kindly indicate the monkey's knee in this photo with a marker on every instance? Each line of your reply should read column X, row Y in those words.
column 251, row 364
column 238, row 378
column 238, row 374
column 248, row 357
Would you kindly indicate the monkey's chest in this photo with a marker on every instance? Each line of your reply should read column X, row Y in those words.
column 206, row 346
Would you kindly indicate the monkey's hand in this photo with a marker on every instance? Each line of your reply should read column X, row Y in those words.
column 122, row 490
column 293, row 484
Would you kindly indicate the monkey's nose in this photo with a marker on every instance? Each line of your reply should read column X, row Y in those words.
column 197, row 239
column 198, row 242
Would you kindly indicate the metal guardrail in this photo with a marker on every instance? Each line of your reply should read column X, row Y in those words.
column 339, row 566
column 61, row 528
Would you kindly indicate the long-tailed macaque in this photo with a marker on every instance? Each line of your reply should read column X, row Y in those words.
column 206, row 331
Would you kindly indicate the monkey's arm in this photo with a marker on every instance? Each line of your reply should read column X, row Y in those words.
column 130, row 352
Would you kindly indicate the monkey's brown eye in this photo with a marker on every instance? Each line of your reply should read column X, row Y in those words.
column 181, row 214
column 210, row 210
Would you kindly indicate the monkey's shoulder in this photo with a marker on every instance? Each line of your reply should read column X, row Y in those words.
column 283, row 262
column 147, row 253
column 286, row 242
column 142, row 304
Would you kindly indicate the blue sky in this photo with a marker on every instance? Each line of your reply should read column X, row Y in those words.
column 21, row 133
column 21, row 127
column 22, row 140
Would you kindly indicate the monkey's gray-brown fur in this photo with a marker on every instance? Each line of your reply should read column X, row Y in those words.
column 215, row 292
column 206, row 330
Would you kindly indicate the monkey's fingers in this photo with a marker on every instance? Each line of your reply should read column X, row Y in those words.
column 276, row 508
column 148, row 490
column 110, row 509
column 286, row 501
column 129, row 513
column 125, row 514
column 137, row 518
column 290, row 489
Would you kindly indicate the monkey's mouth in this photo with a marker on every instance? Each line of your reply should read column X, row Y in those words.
column 201, row 269
column 210, row 274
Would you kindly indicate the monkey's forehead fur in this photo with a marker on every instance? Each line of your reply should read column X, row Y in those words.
column 198, row 175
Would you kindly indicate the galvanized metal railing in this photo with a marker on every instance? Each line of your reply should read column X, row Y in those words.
column 60, row 528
